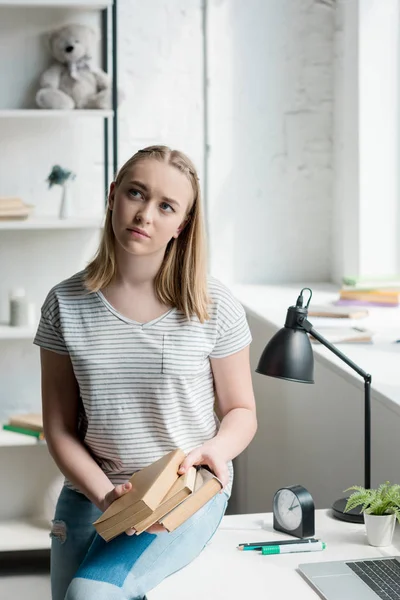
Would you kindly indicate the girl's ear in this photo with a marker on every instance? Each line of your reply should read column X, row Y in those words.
column 181, row 227
column 111, row 196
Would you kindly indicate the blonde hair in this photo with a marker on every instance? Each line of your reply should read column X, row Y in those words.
column 181, row 281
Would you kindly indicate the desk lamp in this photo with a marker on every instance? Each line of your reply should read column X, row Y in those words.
column 288, row 355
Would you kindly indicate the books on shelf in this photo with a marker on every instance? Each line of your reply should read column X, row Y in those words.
column 14, row 208
column 159, row 495
column 27, row 424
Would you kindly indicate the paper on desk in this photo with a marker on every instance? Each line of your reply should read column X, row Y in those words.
column 337, row 335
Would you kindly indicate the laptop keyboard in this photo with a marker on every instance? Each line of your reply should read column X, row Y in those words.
column 382, row 576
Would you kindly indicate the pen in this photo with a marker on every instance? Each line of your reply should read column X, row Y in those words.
column 312, row 547
column 259, row 545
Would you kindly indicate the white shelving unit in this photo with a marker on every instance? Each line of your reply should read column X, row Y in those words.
column 51, row 223
column 18, row 530
column 78, row 4
column 24, row 534
column 16, row 333
column 37, row 113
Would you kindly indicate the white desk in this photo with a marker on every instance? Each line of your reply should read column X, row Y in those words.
column 222, row 572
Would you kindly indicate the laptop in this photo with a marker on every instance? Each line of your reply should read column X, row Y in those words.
column 369, row 579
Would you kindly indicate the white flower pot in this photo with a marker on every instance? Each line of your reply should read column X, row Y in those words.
column 380, row 529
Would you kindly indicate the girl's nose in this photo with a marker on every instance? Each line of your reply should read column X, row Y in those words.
column 145, row 215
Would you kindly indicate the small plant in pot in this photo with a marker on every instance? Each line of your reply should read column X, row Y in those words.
column 381, row 508
column 62, row 177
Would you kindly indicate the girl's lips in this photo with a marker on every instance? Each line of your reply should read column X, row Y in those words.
column 138, row 233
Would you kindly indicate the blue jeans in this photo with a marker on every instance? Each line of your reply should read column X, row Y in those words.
column 85, row 567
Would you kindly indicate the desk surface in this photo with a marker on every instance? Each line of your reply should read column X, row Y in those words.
column 222, row 572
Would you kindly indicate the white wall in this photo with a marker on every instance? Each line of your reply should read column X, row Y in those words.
column 161, row 73
column 270, row 134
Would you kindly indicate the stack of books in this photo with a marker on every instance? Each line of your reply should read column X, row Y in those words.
column 14, row 208
column 159, row 495
column 370, row 292
column 27, row 424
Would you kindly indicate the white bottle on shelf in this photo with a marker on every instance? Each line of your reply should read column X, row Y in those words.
column 22, row 312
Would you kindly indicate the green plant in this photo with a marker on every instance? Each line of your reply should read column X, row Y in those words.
column 58, row 176
column 380, row 501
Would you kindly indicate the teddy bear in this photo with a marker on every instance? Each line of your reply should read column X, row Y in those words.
column 71, row 82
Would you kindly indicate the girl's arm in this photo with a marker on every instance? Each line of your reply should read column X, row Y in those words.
column 60, row 399
column 237, row 410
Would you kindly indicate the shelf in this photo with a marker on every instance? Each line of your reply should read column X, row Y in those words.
column 52, row 223
column 38, row 113
column 82, row 4
column 16, row 333
column 24, row 534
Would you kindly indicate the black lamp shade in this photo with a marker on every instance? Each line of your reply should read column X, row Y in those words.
column 288, row 355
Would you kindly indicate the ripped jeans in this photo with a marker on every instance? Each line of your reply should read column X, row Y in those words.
column 85, row 567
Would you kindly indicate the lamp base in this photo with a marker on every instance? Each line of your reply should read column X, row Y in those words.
column 353, row 516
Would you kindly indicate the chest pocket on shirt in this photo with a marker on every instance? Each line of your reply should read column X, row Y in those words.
column 184, row 355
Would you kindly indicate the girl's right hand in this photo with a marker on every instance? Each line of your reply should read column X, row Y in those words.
column 113, row 495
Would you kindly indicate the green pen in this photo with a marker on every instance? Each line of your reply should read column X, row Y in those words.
column 260, row 545
column 291, row 548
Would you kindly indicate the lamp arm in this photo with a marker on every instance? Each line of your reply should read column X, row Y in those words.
column 307, row 326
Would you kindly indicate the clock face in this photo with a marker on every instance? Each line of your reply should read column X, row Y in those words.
column 287, row 509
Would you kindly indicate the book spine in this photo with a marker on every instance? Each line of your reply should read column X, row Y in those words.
column 37, row 434
column 347, row 302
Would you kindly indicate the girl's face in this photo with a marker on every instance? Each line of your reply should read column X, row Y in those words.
column 149, row 206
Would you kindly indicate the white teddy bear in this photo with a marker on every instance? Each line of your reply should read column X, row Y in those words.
column 71, row 82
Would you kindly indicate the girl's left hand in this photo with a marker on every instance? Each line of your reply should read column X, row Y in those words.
column 207, row 454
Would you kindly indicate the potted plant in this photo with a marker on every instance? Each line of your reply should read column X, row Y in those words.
column 62, row 177
column 381, row 508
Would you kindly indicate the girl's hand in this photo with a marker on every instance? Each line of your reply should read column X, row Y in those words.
column 113, row 495
column 207, row 454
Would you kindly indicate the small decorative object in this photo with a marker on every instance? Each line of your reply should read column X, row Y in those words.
column 381, row 508
column 60, row 176
column 294, row 511
column 70, row 81
column 22, row 312
column 12, row 208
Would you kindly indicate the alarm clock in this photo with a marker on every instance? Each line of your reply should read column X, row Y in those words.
column 294, row 511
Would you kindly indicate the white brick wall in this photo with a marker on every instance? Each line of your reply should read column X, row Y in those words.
column 271, row 94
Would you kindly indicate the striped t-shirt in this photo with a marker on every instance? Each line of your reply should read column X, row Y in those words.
column 145, row 388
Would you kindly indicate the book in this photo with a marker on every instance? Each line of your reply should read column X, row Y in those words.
column 14, row 208
column 380, row 282
column 32, row 421
column 337, row 312
column 380, row 297
column 182, row 488
column 149, row 486
column 182, row 497
column 344, row 335
column 38, row 434
column 9, row 202
column 207, row 486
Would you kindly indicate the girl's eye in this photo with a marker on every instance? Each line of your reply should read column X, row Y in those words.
column 167, row 207
column 135, row 194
